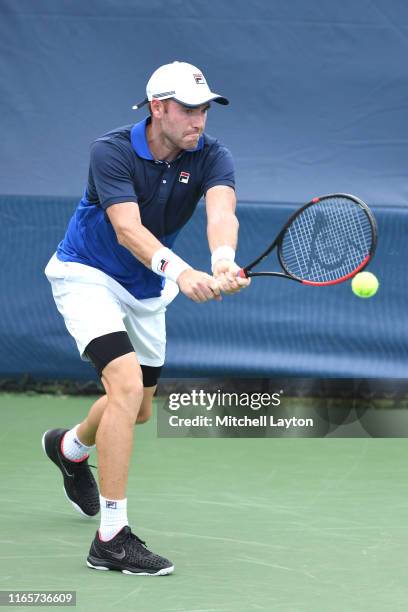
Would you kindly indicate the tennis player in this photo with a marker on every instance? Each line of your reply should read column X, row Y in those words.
column 113, row 276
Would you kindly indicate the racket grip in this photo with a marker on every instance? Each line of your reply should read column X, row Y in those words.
column 242, row 274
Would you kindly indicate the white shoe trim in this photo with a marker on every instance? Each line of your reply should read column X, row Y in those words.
column 162, row 572
column 43, row 442
column 77, row 508
column 97, row 567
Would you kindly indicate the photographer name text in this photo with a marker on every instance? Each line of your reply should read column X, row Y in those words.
column 245, row 421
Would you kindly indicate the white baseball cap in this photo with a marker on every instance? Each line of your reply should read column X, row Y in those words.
column 183, row 83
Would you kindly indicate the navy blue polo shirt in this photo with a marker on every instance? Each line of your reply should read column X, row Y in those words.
column 122, row 169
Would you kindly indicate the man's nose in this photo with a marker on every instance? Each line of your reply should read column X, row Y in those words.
column 198, row 122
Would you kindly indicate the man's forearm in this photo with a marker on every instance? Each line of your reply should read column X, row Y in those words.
column 152, row 253
column 223, row 230
column 141, row 243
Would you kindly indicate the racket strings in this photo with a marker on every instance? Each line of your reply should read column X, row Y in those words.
column 327, row 241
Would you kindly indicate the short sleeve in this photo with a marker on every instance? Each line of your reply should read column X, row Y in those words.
column 111, row 171
column 220, row 169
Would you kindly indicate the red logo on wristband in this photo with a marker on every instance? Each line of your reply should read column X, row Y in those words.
column 163, row 265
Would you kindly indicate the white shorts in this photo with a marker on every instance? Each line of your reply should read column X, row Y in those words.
column 94, row 304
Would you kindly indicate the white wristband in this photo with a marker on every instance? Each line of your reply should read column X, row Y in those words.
column 168, row 264
column 222, row 252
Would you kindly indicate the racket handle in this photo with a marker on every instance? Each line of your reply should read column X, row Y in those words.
column 242, row 274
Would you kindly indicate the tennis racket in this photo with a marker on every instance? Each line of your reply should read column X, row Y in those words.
column 325, row 242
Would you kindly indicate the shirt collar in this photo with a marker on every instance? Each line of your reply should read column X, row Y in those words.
column 140, row 144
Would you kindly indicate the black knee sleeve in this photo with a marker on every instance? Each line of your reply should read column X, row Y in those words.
column 105, row 349
column 150, row 375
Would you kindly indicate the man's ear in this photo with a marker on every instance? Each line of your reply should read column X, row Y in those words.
column 158, row 108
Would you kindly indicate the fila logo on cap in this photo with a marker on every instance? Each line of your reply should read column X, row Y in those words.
column 199, row 78
column 184, row 177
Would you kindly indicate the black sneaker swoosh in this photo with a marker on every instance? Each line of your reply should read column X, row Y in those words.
column 118, row 556
column 64, row 469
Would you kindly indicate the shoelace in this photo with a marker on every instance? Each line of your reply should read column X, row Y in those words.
column 131, row 536
column 87, row 473
column 84, row 471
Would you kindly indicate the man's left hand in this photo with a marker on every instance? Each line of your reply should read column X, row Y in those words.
column 225, row 272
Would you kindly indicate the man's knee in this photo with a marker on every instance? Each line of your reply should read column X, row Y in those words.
column 150, row 377
column 123, row 382
column 146, row 407
column 143, row 416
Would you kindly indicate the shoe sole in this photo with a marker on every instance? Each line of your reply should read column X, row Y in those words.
column 163, row 572
column 77, row 508
column 74, row 505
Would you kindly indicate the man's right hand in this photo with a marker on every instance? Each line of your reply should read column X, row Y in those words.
column 198, row 286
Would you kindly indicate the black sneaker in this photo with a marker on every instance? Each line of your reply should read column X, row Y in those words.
column 79, row 484
column 127, row 554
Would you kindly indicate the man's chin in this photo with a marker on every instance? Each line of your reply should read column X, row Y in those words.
column 191, row 142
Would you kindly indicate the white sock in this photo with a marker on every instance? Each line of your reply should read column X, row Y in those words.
column 113, row 517
column 72, row 447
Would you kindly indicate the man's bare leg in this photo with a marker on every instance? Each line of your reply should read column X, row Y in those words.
column 86, row 431
column 122, row 379
column 114, row 546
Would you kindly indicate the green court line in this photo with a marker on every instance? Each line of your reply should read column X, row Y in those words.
column 296, row 525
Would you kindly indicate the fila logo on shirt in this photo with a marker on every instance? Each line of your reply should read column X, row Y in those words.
column 199, row 78
column 184, row 177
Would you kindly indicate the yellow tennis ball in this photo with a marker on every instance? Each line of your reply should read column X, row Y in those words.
column 365, row 284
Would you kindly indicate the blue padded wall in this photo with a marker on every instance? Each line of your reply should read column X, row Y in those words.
column 318, row 96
